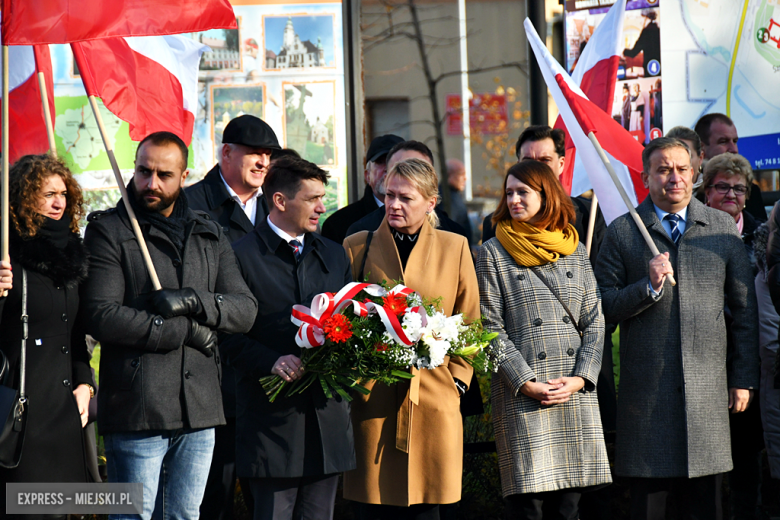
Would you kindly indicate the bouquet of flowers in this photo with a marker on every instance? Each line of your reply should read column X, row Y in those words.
column 368, row 332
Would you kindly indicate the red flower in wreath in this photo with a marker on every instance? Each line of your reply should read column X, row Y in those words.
column 395, row 303
column 338, row 328
column 381, row 347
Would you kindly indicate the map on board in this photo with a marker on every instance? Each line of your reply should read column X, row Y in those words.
column 725, row 56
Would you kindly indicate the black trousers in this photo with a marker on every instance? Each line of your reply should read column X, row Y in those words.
column 304, row 498
column 747, row 442
column 558, row 505
column 221, row 485
column 698, row 498
column 382, row 512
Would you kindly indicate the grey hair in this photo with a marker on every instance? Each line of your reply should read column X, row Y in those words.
column 219, row 157
column 731, row 164
column 660, row 143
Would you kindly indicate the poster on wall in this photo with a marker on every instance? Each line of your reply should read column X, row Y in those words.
column 284, row 64
column 715, row 56
column 637, row 101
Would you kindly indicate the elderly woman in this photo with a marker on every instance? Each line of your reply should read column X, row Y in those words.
column 45, row 245
column 727, row 181
column 409, row 436
column 538, row 292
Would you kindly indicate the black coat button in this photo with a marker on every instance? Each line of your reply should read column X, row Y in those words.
column 65, row 349
column 134, row 363
column 569, row 275
column 65, row 382
column 521, row 277
column 538, row 322
column 570, row 351
column 158, row 321
column 64, row 317
column 187, row 374
column 176, row 262
column 566, row 319
column 542, row 356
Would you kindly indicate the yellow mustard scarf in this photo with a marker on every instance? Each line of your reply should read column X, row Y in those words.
column 531, row 246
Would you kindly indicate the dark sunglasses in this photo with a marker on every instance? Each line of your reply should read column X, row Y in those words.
column 723, row 188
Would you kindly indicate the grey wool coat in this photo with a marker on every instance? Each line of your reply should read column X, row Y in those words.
column 544, row 448
column 672, row 417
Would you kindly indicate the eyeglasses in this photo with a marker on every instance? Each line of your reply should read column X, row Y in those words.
column 723, row 188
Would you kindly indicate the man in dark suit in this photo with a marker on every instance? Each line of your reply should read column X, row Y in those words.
column 399, row 152
column 679, row 378
column 335, row 228
column 292, row 450
column 231, row 193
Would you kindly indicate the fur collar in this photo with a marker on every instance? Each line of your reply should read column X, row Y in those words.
column 67, row 266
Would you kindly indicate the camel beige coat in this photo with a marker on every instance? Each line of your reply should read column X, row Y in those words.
column 413, row 453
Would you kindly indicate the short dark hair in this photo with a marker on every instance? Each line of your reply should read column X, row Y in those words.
column 285, row 175
column 164, row 138
column 660, row 143
column 540, row 133
column 414, row 146
column 557, row 210
column 284, row 152
column 704, row 124
column 683, row 132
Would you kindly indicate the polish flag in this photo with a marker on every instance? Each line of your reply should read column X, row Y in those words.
column 582, row 116
column 26, row 121
column 31, row 22
column 596, row 75
column 151, row 82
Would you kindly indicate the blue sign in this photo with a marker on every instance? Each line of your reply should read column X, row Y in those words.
column 653, row 67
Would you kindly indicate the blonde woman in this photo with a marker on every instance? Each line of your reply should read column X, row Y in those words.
column 409, row 436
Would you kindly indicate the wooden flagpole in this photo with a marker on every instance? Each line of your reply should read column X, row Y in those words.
column 125, row 197
column 47, row 113
column 4, row 200
column 629, row 204
column 591, row 223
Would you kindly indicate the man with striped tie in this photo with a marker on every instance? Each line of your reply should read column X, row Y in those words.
column 290, row 451
column 678, row 383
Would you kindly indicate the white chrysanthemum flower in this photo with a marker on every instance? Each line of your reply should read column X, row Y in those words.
column 437, row 350
column 412, row 324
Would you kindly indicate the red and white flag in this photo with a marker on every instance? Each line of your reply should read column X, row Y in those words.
column 582, row 116
column 151, row 82
column 26, row 121
column 596, row 75
column 28, row 22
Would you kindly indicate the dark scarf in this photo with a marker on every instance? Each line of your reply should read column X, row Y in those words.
column 404, row 243
column 174, row 227
column 54, row 252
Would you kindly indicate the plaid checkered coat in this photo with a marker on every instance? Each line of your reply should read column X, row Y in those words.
column 544, row 448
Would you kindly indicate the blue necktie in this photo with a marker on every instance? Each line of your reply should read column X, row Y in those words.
column 297, row 247
column 674, row 222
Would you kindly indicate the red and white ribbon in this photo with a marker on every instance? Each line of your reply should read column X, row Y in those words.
column 311, row 321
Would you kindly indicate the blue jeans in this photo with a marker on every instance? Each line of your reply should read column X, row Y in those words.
column 176, row 461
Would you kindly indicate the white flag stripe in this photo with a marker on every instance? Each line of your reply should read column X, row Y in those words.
column 605, row 41
column 179, row 55
column 21, row 65
column 612, row 205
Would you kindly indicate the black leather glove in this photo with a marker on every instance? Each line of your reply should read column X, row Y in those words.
column 176, row 302
column 202, row 338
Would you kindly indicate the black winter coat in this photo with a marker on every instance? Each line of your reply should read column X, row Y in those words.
column 149, row 381
column 211, row 196
column 335, row 227
column 306, row 434
column 57, row 358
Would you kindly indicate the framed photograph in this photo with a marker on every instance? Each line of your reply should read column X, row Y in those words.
column 225, row 54
column 230, row 101
column 299, row 41
column 309, row 120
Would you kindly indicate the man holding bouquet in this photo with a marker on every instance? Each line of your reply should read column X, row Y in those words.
column 293, row 449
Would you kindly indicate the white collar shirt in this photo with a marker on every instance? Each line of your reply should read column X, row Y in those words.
column 250, row 206
column 283, row 234
column 683, row 214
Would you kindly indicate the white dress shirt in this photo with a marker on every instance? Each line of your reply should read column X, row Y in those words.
column 283, row 234
column 250, row 206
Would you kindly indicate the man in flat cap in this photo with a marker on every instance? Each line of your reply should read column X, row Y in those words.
column 335, row 228
column 231, row 193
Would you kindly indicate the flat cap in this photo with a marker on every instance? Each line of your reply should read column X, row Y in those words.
column 250, row 131
column 381, row 145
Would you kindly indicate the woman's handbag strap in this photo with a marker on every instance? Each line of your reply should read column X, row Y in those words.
column 23, row 356
column 565, row 307
column 365, row 256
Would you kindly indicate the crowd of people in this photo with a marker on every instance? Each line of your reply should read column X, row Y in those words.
column 180, row 406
